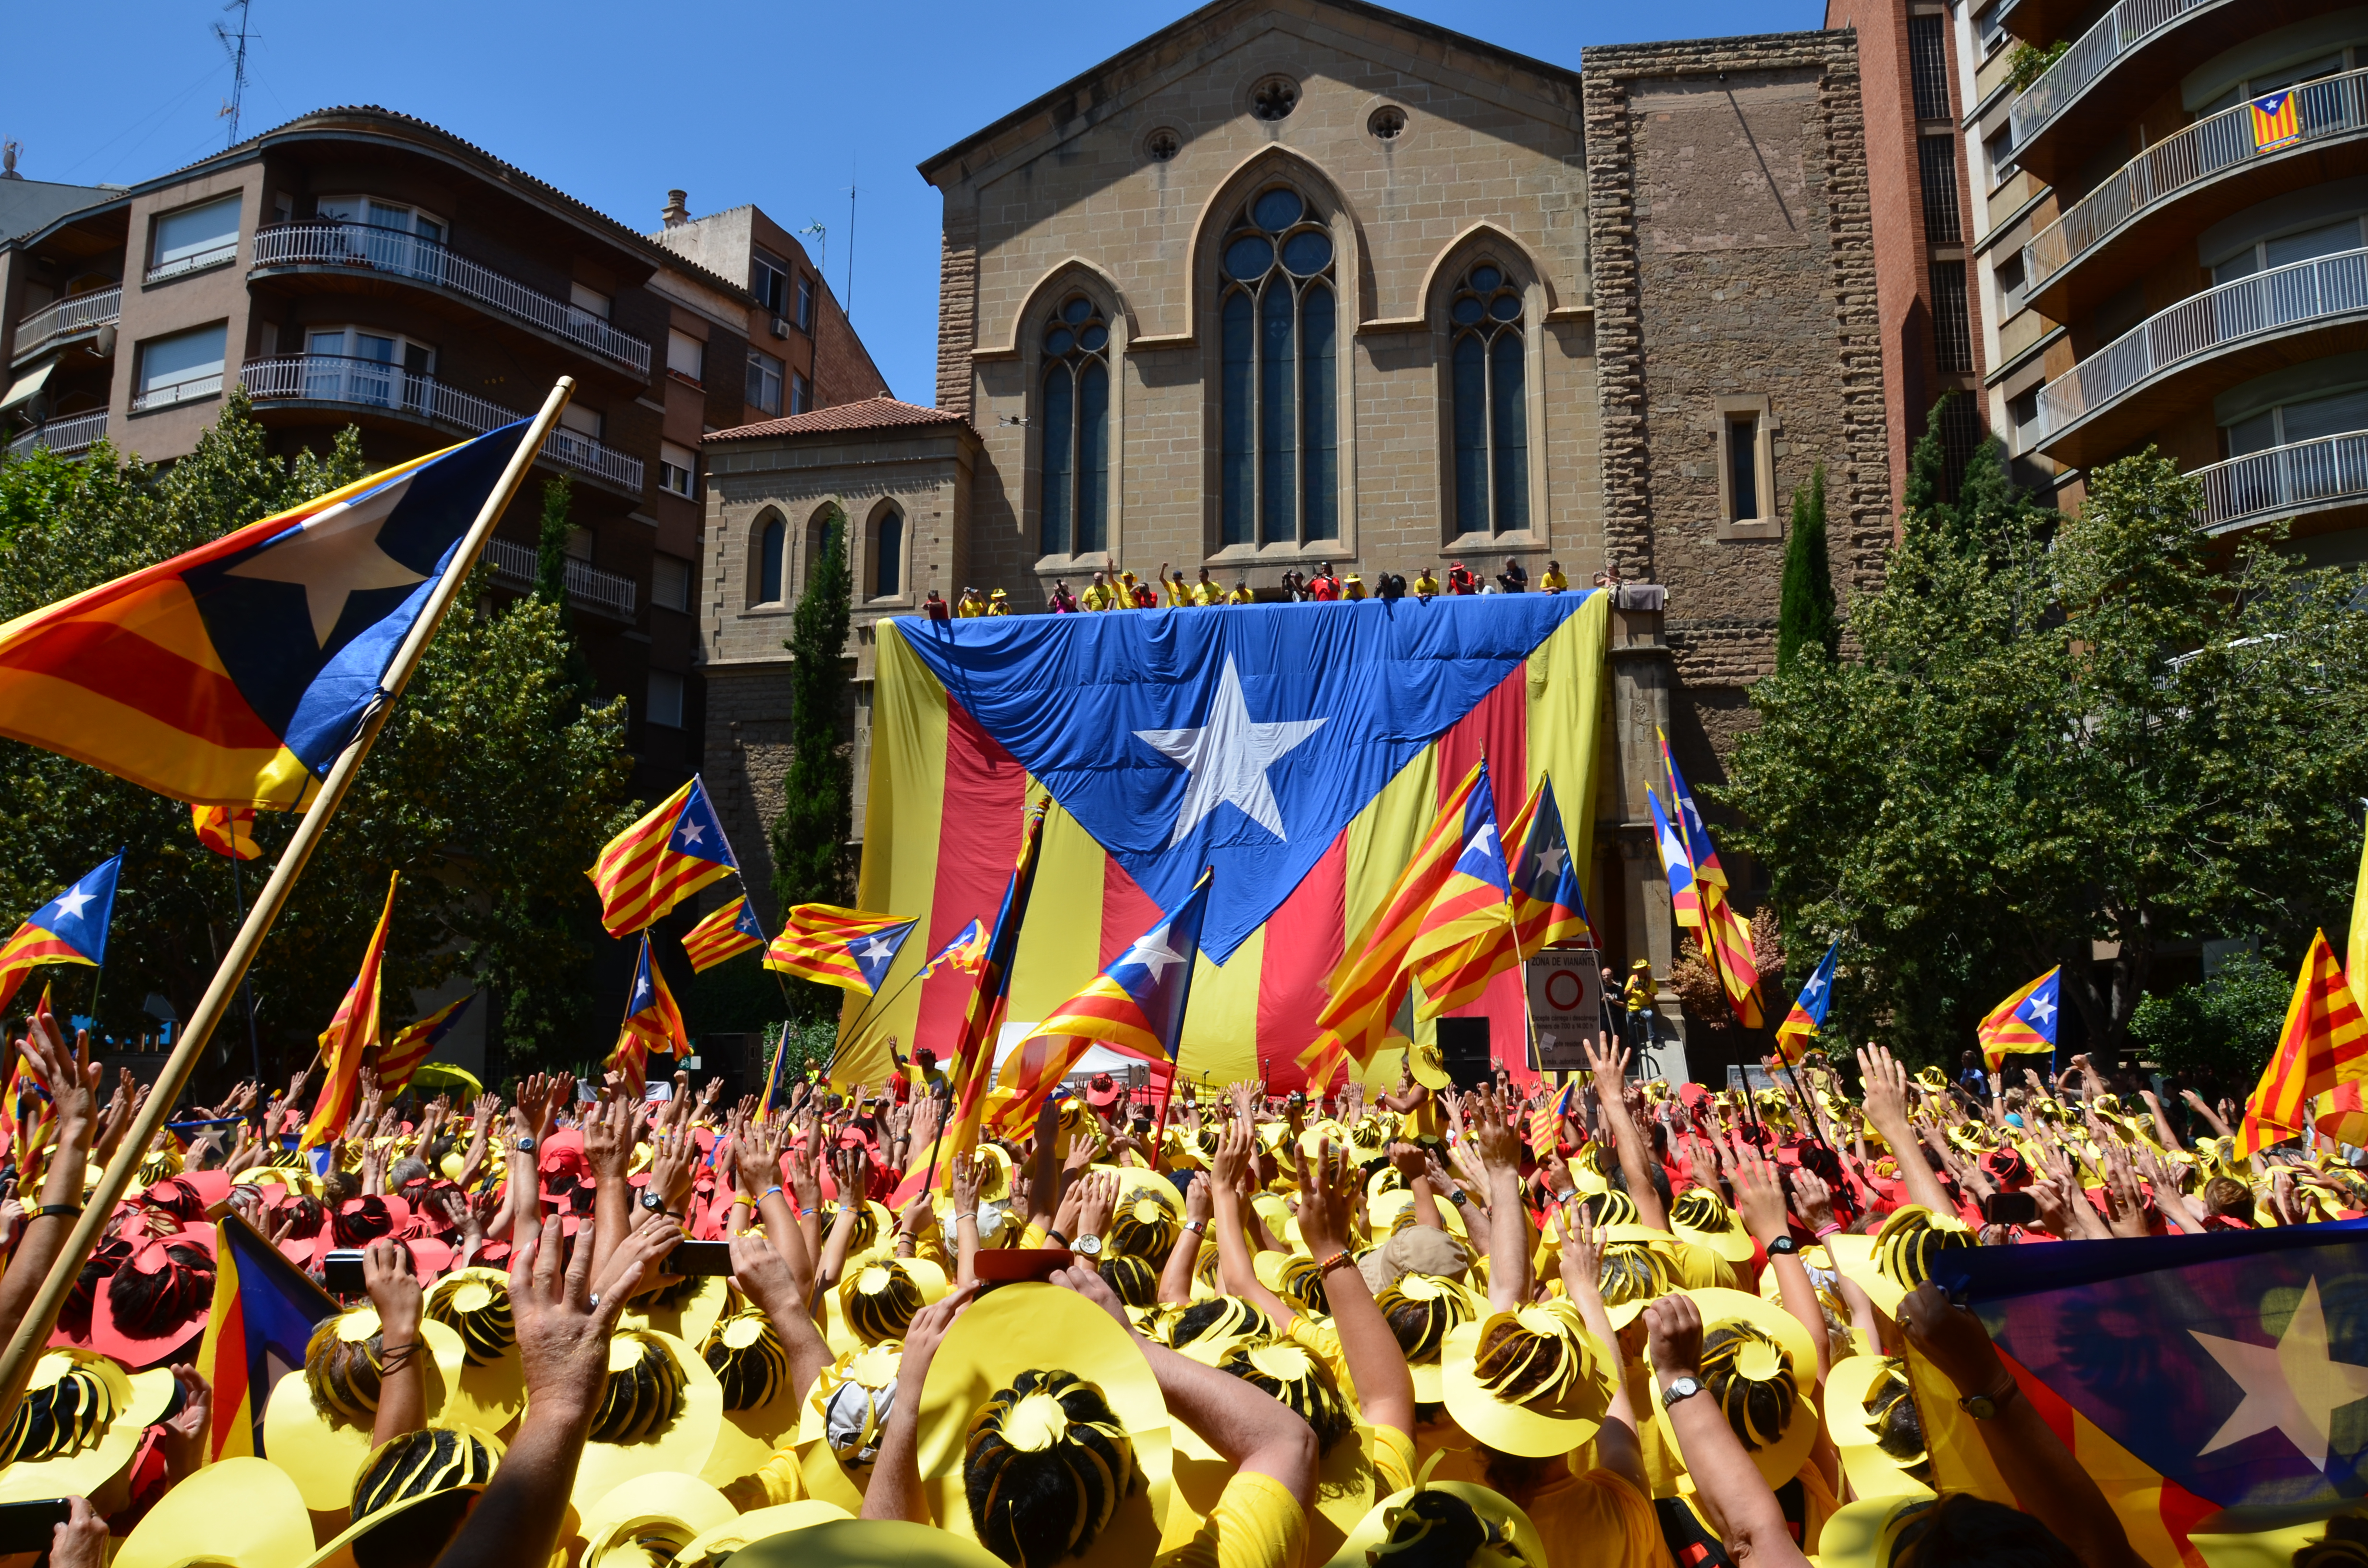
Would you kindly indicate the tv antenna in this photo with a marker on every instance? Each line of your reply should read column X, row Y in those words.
column 234, row 44
column 821, row 243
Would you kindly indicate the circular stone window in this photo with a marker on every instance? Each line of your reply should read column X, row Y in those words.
column 1388, row 122
column 1274, row 97
column 1163, row 144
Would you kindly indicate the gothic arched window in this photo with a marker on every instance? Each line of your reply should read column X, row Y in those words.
column 888, row 554
column 1077, row 429
column 772, row 542
column 1279, row 395
column 1490, row 364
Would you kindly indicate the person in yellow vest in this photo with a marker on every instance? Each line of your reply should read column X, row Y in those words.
column 971, row 606
column 1352, row 587
column 1206, row 592
column 998, row 603
column 1554, row 582
column 1241, row 594
column 1426, row 586
column 1100, row 594
column 1175, row 592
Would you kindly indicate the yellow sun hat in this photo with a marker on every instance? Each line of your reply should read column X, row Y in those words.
column 1701, row 1216
column 406, row 1471
column 1429, row 1068
column 1533, row 1382
column 1397, row 1523
column 317, row 1425
column 244, row 1512
column 971, row 1397
column 1851, row 1421
column 1760, row 1367
column 686, row 1308
column 760, row 1403
column 475, row 1304
column 1422, row 1310
column 660, row 1411
column 79, row 1423
column 758, row 1524
column 659, row 1514
column 868, row 1543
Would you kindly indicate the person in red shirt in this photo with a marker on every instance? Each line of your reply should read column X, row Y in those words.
column 937, row 607
column 1323, row 587
column 1460, row 580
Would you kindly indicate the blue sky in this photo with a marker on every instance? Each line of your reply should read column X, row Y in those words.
column 779, row 104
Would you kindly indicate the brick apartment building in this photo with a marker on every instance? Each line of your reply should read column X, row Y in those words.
column 1611, row 317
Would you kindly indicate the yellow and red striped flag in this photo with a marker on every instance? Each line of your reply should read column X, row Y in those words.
column 414, row 1044
column 2324, row 1042
column 662, row 859
column 228, row 831
column 1467, row 937
column 847, row 948
column 1365, row 989
column 351, row 1033
column 70, row 928
column 1730, row 935
column 726, row 934
column 2276, row 120
column 653, row 1024
column 31, row 1117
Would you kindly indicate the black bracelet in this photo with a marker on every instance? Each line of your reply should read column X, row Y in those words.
column 58, row 1211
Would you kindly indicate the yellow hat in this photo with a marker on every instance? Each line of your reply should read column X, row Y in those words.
column 758, row 1524
column 1010, row 1337
column 81, row 1421
column 317, row 1423
column 1759, row 1364
column 1429, row 1067
column 475, row 1304
column 839, row 1424
column 687, row 1308
column 242, row 1512
column 1632, row 1274
column 1533, row 1382
column 660, row 1513
column 660, row 1411
column 1865, row 1534
column 408, row 1470
column 1700, row 1215
column 1398, row 1520
column 868, row 1543
column 1905, row 1248
column 1853, row 1382
column 877, row 1300
column 760, row 1403
column 1422, row 1310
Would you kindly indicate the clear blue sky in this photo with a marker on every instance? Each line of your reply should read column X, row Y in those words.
column 735, row 102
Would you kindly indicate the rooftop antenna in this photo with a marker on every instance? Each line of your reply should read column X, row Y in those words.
column 822, row 242
column 851, row 239
column 234, row 44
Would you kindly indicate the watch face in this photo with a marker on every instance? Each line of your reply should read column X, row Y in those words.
column 1090, row 1245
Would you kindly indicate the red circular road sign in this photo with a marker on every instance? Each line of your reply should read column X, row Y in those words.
column 1565, row 991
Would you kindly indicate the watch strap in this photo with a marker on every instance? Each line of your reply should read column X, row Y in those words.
column 1783, row 1246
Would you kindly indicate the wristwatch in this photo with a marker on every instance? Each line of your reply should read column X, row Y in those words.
column 1982, row 1407
column 1087, row 1246
column 1198, row 1227
column 1679, row 1388
column 1458, row 1198
column 523, row 1146
column 652, row 1201
column 1783, row 1246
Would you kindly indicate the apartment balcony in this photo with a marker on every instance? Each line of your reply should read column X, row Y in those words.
column 2302, row 480
column 603, row 592
column 2185, row 183
column 2135, row 52
column 381, row 392
column 2179, row 358
column 63, row 320
column 77, row 433
column 359, row 253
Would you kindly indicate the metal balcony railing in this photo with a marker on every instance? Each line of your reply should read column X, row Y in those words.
column 405, row 256
column 64, row 318
column 2325, row 109
column 196, row 261
column 2289, row 295
column 2117, row 32
column 65, row 437
column 605, row 592
column 2283, row 480
column 367, row 383
column 165, row 394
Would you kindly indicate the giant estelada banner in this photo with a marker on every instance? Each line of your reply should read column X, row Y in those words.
column 1298, row 750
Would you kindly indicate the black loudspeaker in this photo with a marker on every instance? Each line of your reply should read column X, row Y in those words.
column 1464, row 1050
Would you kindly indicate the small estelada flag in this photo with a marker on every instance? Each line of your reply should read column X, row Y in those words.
column 2277, row 120
column 226, row 830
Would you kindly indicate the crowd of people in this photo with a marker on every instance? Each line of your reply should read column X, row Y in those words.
column 1167, row 588
column 1610, row 1323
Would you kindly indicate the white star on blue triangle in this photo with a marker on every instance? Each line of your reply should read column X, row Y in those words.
column 81, row 914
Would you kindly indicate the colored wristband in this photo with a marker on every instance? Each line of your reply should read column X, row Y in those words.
column 1830, row 1228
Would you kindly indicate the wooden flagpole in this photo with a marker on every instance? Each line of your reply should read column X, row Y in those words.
column 33, row 1333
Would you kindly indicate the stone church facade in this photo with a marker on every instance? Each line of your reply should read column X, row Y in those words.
column 1304, row 282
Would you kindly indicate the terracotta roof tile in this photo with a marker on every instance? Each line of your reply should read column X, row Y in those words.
column 869, row 413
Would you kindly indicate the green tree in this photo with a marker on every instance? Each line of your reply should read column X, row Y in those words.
column 550, row 541
column 810, row 859
column 1805, row 618
column 2062, row 732
column 490, row 788
column 2225, row 1027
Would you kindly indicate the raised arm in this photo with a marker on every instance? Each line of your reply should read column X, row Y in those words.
column 1746, row 1510
column 1609, row 1063
column 402, row 1354
column 72, row 1079
column 1327, row 1196
column 1509, row 1222
column 1885, row 1082
column 1616, row 1445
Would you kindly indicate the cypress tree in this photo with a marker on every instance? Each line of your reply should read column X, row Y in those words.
column 1806, row 618
column 550, row 572
column 817, row 811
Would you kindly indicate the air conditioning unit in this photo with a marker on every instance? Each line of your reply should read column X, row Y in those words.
column 780, row 327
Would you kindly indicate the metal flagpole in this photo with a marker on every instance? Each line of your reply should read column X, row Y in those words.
column 41, row 1320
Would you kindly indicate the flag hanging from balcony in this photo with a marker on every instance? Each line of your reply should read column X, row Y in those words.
column 2277, row 120
column 234, row 674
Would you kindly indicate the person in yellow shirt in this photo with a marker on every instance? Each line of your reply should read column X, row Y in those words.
column 998, row 603
column 1177, row 595
column 1241, row 594
column 1127, row 596
column 1100, row 594
column 971, row 605
column 1426, row 586
column 1352, row 587
column 1206, row 592
column 1554, row 582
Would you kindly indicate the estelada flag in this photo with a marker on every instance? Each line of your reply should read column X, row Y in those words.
column 234, row 674
column 966, row 952
column 352, row 1033
column 2276, row 120
column 847, row 948
column 1135, row 1006
column 2024, row 1022
column 1728, row 936
column 1808, row 1013
column 70, row 928
column 653, row 1023
column 1549, row 906
column 726, row 934
column 264, row 1313
column 1466, row 937
column 2188, row 1375
column 2324, row 1042
column 228, row 831
column 414, row 1044
column 1701, row 853
column 1677, row 866
column 676, row 850
column 1171, row 744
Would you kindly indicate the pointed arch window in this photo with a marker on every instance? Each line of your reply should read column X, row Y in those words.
column 1489, row 359
column 772, row 550
column 888, row 554
column 1075, row 419
column 1279, row 390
